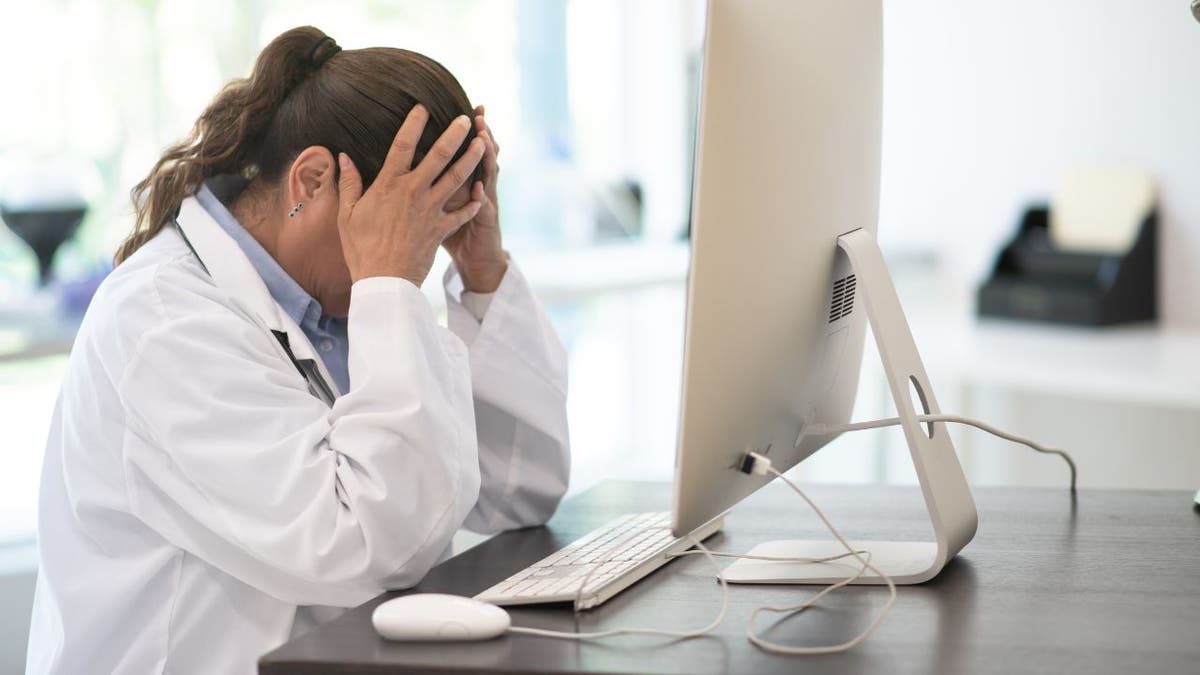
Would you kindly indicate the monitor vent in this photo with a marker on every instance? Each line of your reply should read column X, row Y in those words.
column 843, row 298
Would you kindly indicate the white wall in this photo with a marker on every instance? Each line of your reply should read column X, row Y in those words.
column 987, row 102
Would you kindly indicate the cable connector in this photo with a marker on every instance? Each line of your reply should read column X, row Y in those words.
column 755, row 464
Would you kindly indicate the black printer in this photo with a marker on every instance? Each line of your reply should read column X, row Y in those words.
column 1035, row 279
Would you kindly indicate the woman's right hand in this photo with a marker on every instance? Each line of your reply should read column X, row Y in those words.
column 394, row 229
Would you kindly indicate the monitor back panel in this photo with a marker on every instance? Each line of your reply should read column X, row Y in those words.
column 788, row 154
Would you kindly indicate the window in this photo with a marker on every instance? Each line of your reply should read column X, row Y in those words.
column 593, row 102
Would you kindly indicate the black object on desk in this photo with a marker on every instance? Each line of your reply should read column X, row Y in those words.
column 1105, row 582
column 1034, row 279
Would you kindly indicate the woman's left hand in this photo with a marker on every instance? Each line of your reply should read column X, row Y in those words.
column 476, row 247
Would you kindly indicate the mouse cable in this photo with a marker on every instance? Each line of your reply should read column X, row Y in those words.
column 762, row 465
column 830, row 429
column 711, row 555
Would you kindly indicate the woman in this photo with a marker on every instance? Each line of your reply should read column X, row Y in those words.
column 262, row 420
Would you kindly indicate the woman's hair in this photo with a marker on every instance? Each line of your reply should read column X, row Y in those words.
column 302, row 92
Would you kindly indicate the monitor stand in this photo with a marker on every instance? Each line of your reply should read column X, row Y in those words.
column 947, row 496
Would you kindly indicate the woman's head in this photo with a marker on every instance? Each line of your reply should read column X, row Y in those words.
column 304, row 102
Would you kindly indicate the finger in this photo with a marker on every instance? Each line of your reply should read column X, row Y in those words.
column 481, row 126
column 491, row 167
column 443, row 150
column 349, row 187
column 491, row 137
column 476, row 194
column 404, row 145
column 460, row 173
column 479, row 109
column 451, row 221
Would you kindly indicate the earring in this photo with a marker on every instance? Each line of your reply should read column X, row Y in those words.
column 295, row 209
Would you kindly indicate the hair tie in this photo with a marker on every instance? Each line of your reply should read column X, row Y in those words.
column 312, row 53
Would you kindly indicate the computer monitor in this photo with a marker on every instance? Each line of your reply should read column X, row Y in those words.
column 785, row 275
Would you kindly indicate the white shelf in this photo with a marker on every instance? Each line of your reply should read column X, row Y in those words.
column 568, row 275
column 1138, row 364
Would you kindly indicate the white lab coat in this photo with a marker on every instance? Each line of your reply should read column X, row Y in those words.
column 197, row 500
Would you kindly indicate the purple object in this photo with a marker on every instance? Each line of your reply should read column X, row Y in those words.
column 75, row 295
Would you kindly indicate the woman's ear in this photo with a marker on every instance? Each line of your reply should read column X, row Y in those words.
column 312, row 175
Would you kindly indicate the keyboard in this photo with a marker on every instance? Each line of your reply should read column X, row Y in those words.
column 616, row 556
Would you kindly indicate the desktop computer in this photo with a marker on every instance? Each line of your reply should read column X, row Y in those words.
column 785, row 277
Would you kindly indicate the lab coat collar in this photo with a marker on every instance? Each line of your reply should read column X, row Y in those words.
column 233, row 273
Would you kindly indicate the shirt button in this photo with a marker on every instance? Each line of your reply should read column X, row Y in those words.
column 326, row 345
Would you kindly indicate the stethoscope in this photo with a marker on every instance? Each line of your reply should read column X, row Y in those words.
column 308, row 369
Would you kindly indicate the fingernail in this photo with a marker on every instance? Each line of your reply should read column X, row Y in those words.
column 343, row 160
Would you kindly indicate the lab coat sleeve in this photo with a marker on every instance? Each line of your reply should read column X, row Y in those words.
column 519, row 379
column 231, row 459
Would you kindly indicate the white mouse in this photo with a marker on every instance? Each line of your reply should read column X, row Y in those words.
column 438, row 616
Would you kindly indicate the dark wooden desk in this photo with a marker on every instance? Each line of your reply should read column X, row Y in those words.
column 1106, row 583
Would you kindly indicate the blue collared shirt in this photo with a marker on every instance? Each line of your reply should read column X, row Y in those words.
column 328, row 334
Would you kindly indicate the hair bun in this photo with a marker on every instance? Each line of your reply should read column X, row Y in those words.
column 315, row 60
